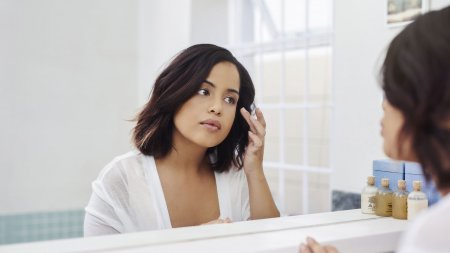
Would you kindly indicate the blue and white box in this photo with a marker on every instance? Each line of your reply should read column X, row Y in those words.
column 394, row 170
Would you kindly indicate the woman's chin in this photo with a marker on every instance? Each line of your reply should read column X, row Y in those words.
column 390, row 153
column 394, row 155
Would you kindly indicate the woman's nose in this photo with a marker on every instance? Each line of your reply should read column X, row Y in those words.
column 216, row 107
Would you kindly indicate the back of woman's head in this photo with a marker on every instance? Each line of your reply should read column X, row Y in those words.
column 416, row 80
column 178, row 82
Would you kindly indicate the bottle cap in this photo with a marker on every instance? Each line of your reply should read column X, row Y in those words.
column 371, row 180
column 385, row 182
column 417, row 185
column 401, row 184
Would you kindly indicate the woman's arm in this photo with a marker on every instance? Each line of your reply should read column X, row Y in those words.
column 94, row 226
column 100, row 217
column 261, row 201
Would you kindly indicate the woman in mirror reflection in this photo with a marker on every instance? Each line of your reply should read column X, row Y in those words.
column 199, row 153
column 416, row 123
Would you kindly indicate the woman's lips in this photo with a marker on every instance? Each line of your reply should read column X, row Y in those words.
column 212, row 125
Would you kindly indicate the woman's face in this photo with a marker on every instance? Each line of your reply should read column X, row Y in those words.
column 391, row 125
column 207, row 117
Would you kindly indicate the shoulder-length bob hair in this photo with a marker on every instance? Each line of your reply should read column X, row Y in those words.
column 174, row 86
column 416, row 80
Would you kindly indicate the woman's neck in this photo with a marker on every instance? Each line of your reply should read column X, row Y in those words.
column 185, row 156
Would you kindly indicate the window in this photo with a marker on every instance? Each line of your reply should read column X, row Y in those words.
column 286, row 46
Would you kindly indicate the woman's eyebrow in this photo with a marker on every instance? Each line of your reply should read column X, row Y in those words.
column 214, row 86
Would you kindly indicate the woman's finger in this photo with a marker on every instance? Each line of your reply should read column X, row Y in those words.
column 314, row 245
column 260, row 129
column 257, row 142
column 304, row 248
column 260, row 116
column 257, row 125
column 330, row 249
column 218, row 221
column 247, row 117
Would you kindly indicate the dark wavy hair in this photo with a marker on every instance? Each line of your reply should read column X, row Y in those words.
column 177, row 83
column 416, row 80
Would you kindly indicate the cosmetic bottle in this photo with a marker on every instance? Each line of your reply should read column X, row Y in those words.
column 368, row 195
column 399, row 201
column 417, row 200
column 383, row 203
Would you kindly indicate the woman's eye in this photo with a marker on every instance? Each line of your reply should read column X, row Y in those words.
column 203, row 92
column 230, row 100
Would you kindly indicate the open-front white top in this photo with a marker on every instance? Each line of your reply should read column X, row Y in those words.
column 428, row 233
column 128, row 197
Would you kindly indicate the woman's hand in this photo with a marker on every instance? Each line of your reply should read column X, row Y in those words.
column 312, row 246
column 261, row 200
column 254, row 152
column 218, row 221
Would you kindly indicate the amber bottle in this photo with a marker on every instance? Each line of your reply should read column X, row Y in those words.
column 383, row 203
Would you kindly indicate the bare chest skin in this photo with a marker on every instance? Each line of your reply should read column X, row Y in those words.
column 191, row 199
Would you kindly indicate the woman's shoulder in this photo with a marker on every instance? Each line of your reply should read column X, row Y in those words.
column 426, row 232
column 122, row 164
column 436, row 214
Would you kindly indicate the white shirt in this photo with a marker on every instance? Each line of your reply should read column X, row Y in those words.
column 430, row 231
column 128, row 197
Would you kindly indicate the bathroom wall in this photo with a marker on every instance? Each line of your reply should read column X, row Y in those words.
column 68, row 86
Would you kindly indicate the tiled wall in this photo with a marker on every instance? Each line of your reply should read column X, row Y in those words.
column 30, row 227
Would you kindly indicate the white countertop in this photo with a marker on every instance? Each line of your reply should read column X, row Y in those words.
column 349, row 231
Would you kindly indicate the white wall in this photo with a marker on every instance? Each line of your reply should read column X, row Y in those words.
column 361, row 37
column 68, row 83
column 163, row 30
column 209, row 22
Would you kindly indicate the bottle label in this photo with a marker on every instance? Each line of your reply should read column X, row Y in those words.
column 368, row 203
column 415, row 207
column 384, row 205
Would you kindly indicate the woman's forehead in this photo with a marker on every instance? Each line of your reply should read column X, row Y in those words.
column 224, row 75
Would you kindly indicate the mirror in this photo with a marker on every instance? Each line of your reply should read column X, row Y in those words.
column 73, row 75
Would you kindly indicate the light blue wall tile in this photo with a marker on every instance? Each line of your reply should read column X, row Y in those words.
column 41, row 226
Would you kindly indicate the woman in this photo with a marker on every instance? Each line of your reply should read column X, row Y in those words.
column 416, row 122
column 199, row 153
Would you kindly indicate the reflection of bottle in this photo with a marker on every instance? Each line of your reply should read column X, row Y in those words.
column 368, row 196
column 383, row 204
column 417, row 201
column 399, row 200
